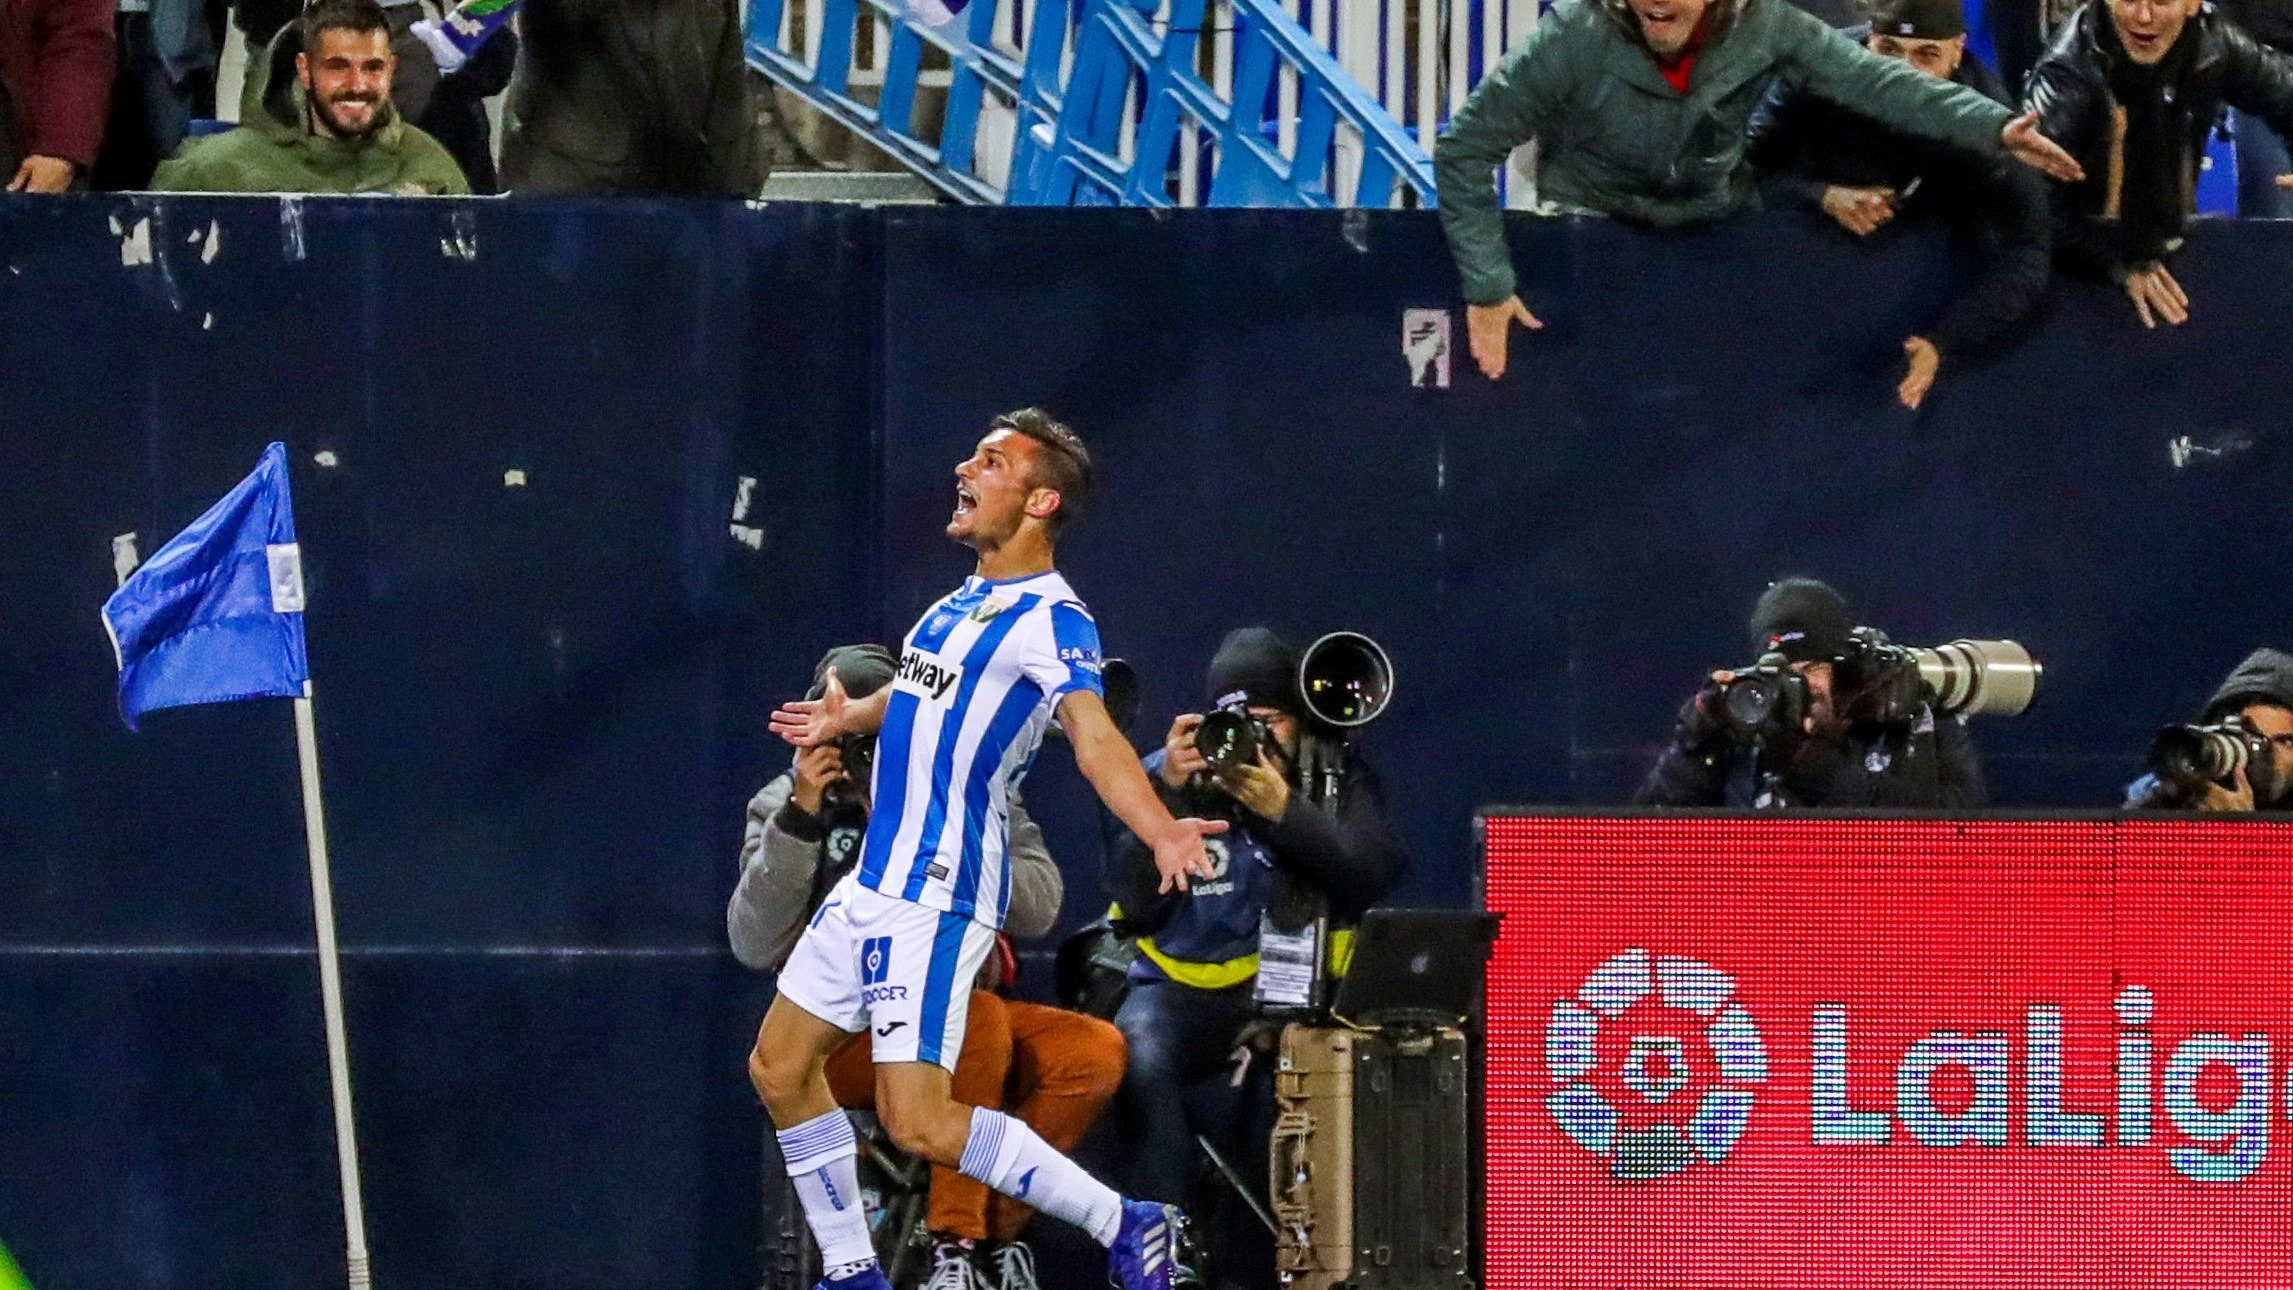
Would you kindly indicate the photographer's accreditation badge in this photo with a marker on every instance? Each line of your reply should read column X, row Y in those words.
column 1287, row 964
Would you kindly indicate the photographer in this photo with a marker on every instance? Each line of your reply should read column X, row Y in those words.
column 1844, row 749
column 1309, row 842
column 1051, row 1068
column 2257, row 702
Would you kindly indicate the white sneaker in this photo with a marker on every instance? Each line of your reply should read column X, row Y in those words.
column 952, row 1269
column 1015, row 1267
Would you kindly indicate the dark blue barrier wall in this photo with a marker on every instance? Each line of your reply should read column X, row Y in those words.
column 541, row 706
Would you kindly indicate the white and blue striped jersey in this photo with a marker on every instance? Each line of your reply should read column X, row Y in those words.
column 980, row 676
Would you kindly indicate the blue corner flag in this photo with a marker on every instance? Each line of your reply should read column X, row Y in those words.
column 217, row 613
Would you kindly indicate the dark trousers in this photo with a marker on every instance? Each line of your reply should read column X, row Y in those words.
column 1178, row 1037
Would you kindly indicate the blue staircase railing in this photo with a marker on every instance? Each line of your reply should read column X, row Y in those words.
column 1105, row 103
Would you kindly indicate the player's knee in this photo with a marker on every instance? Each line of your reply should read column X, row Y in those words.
column 779, row 1080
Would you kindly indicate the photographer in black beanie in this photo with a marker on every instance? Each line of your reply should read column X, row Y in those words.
column 1309, row 851
column 1835, row 755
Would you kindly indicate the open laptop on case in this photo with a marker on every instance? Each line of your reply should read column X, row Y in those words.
column 1416, row 965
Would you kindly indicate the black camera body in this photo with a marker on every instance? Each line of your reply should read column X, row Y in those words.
column 1230, row 737
column 1765, row 700
column 2188, row 758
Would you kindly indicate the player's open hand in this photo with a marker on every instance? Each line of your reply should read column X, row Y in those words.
column 808, row 723
column 1179, row 854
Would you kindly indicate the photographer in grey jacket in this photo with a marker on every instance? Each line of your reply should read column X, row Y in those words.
column 805, row 826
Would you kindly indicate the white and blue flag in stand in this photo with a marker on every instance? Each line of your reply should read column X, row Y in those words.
column 217, row 613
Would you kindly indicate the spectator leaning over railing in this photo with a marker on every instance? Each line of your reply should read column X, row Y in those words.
column 1816, row 154
column 330, row 128
column 1053, row 1069
column 2131, row 88
column 55, row 77
column 1639, row 107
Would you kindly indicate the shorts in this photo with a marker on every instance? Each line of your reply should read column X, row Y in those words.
column 892, row 967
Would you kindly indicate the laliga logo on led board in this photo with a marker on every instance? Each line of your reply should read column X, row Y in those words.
column 1659, row 1067
column 2224, row 1142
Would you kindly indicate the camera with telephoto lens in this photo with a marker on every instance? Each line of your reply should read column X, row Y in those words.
column 1345, row 680
column 1877, row 681
column 1882, row 682
column 2190, row 757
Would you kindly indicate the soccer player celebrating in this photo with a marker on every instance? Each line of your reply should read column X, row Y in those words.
column 895, row 946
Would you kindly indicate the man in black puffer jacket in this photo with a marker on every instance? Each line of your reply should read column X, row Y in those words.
column 1814, row 153
column 2131, row 88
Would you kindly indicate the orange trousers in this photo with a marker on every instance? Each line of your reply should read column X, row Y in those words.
column 1055, row 1070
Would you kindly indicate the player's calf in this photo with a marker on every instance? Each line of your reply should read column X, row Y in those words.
column 921, row 1124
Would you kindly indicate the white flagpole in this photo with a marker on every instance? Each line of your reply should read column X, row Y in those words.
column 330, row 988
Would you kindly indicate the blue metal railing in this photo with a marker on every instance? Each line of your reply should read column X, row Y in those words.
column 1107, row 105
column 1118, row 45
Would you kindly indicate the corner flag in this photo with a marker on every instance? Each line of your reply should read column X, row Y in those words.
column 217, row 613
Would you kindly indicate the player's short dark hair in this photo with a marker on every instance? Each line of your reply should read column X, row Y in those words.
column 1064, row 464
column 323, row 16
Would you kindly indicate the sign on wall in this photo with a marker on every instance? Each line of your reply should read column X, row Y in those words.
column 1728, row 1051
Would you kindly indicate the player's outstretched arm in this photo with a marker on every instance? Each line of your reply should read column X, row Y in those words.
column 809, row 722
column 1112, row 765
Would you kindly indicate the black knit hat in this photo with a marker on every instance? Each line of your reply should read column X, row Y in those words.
column 1258, row 665
column 1918, row 19
column 1804, row 619
column 863, row 669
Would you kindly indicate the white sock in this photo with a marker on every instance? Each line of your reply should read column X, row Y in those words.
column 820, row 1153
column 1008, row 1156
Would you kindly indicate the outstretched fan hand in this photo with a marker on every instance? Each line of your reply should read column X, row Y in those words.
column 2021, row 137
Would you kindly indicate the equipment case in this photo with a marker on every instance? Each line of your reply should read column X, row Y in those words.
column 1371, row 1172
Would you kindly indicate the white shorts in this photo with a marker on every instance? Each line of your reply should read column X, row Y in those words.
column 892, row 967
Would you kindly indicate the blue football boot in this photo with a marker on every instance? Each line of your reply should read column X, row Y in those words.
column 1151, row 1251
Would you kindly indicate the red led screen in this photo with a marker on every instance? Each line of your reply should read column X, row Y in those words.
column 1857, row 1053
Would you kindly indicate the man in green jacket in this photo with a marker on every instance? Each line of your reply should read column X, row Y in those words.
column 328, row 129
column 1639, row 109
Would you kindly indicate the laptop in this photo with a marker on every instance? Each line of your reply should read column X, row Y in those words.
column 1421, row 966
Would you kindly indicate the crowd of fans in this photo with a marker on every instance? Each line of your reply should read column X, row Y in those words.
column 367, row 96
column 1676, row 112
column 1664, row 111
